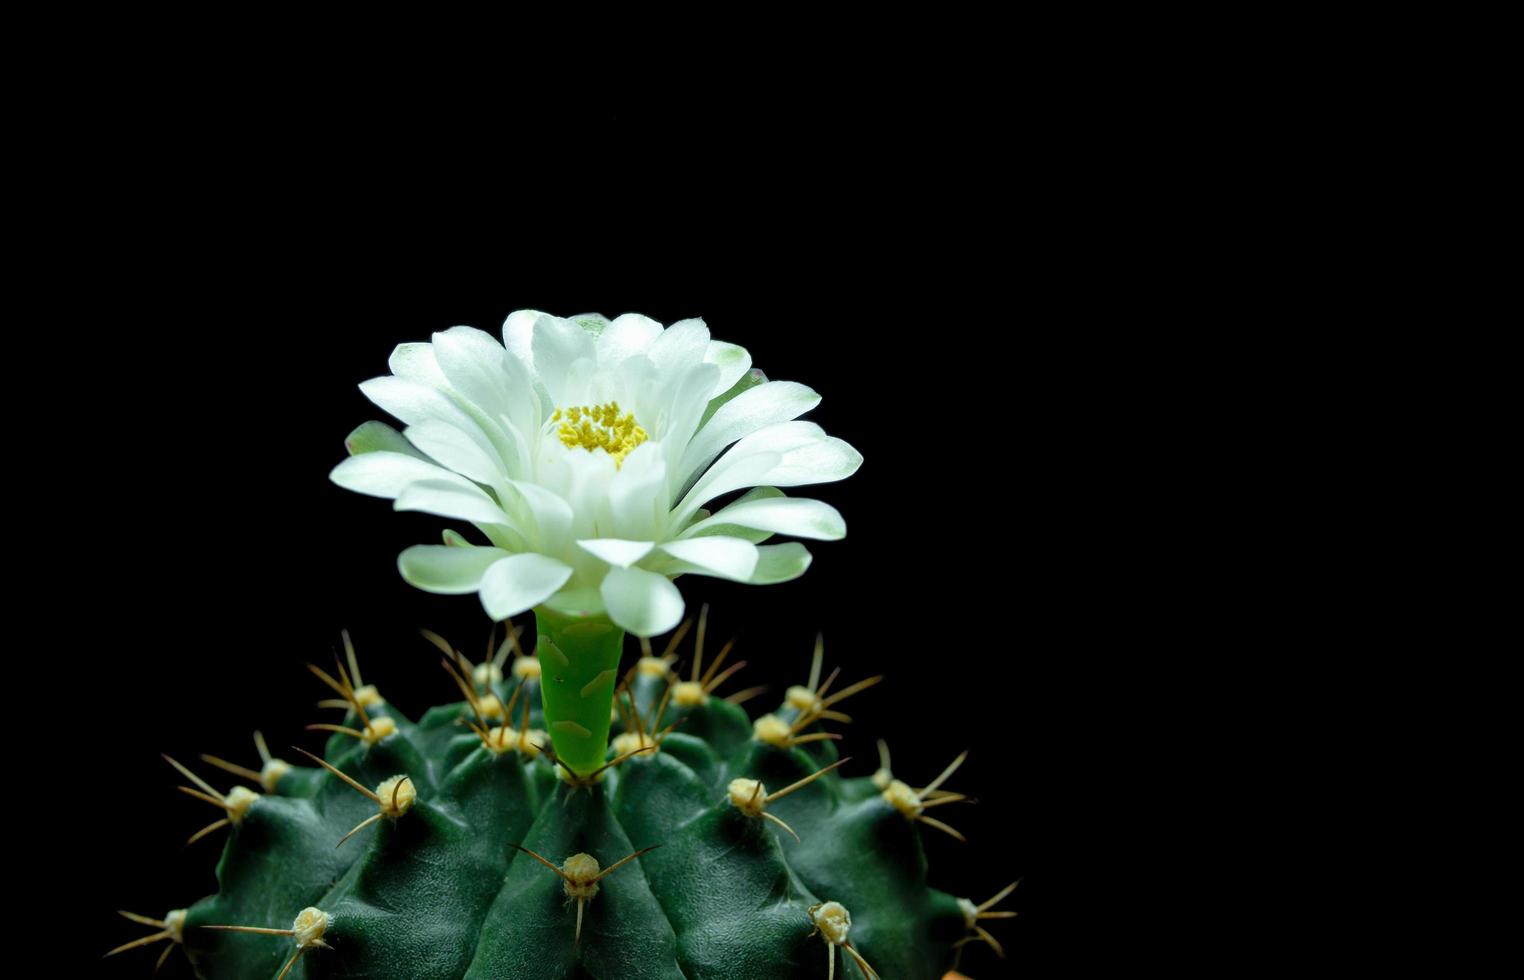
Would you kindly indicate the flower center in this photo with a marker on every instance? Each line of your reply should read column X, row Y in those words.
column 599, row 427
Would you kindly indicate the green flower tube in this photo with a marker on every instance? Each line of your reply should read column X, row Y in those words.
column 579, row 667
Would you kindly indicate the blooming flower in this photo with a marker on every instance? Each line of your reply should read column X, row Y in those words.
column 585, row 450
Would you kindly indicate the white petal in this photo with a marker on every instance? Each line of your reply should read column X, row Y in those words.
column 628, row 335
column 593, row 323
column 480, row 370
column 385, row 474
column 822, row 461
column 547, row 515
column 617, row 551
column 637, row 495
column 780, row 563
column 582, row 480
column 641, row 602
column 505, row 536
column 558, row 344
column 642, row 386
column 680, row 420
column 733, row 361
column 521, row 582
column 447, row 569
column 518, row 335
column 727, row 557
column 457, row 498
column 373, row 437
column 578, row 383
column 798, row 516
column 732, row 530
column 797, row 453
column 453, row 448
column 748, row 381
column 410, row 401
column 413, row 402
column 775, row 563
column 744, row 470
column 680, row 346
column 415, row 362
column 773, row 440
column 579, row 602
column 775, row 401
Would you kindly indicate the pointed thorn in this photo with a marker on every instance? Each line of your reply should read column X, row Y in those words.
column 800, row 784
column 144, row 941
column 942, row 827
column 358, row 827
column 769, row 816
column 368, row 794
column 191, row 776
column 559, row 873
column 233, row 768
column 216, row 825
column 1002, row 893
column 952, row 768
column 624, row 861
column 263, row 749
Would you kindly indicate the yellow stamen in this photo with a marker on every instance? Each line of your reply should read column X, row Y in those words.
column 599, row 427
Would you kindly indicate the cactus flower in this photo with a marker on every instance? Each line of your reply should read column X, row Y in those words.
column 584, row 451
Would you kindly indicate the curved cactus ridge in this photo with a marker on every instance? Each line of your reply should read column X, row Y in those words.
column 468, row 843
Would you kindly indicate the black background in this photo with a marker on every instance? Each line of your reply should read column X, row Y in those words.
column 963, row 360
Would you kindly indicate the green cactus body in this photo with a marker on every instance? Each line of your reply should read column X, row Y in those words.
column 448, row 883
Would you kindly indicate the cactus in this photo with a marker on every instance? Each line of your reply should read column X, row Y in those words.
column 705, row 845
column 507, row 834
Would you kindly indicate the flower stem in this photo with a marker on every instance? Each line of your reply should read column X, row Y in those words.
column 579, row 666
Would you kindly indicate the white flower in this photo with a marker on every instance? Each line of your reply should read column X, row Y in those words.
column 584, row 451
